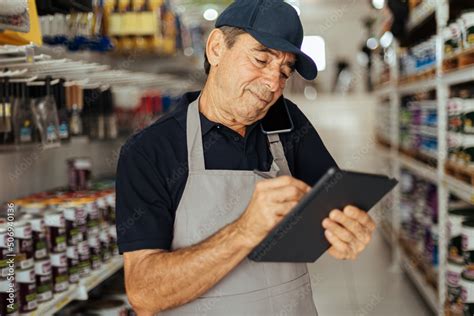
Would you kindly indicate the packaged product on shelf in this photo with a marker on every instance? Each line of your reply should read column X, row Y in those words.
column 453, row 41
column 430, row 241
column 72, row 254
column 60, row 272
column 23, row 120
column 8, row 297
column 110, row 198
column 6, row 128
column 468, row 244
column 27, row 297
column 59, row 94
column 56, row 230
column 461, row 149
column 46, row 114
column 72, row 217
column 79, row 171
column 92, row 216
column 468, row 20
column 40, row 244
column 24, row 258
column 74, row 104
column 455, row 219
column 44, row 281
column 84, row 258
column 467, row 284
column 95, row 251
column 101, row 203
column 113, row 240
column 4, row 251
column 461, row 115
column 105, row 246
column 454, row 290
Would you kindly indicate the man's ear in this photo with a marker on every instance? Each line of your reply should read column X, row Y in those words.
column 215, row 47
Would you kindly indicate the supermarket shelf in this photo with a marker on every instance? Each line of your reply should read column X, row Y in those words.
column 459, row 76
column 419, row 168
column 75, row 291
column 461, row 189
column 421, row 13
column 417, row 86
column 428, row 293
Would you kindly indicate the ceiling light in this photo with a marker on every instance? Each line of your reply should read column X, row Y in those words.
column 378, row 4
column 372, row 43
column 315, row 47
column 210, row 14
column 386, row 39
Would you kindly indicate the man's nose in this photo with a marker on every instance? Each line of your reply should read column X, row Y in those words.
column 272, row 79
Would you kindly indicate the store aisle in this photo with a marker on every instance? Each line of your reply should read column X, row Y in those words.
column 365, row 287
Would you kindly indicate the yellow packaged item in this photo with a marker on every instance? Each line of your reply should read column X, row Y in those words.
column 33, row 36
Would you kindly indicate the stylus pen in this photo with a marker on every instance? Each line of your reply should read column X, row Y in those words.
column 263, row 174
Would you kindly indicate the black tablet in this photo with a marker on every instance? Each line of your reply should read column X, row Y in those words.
column 299, row 237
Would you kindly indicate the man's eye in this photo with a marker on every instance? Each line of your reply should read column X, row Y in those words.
column 284, row 75
column 263, row 62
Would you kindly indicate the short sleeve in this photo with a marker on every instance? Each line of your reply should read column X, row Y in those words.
column 144, row 217
column 312, row 159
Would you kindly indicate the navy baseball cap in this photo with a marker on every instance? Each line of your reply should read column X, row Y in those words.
column 275, row 24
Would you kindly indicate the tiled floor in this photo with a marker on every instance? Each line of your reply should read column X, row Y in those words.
column 366, row 286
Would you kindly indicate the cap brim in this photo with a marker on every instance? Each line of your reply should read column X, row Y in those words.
column 305, row 65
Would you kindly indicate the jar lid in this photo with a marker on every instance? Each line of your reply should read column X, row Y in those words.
column 33, row 207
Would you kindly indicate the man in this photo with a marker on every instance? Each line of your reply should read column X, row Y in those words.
column 189, row 208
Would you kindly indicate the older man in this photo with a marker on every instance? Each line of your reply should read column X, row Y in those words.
column 189, row 207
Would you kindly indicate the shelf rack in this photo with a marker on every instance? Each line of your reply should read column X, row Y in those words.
column 428, row 293
column 440, row 82
column 79, row 291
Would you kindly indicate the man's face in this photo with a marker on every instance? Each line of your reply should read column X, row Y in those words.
column 251, row 78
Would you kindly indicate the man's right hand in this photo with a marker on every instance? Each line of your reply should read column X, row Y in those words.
column 271, row 200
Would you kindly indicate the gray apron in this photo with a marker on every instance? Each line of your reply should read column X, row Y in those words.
column 211, row 200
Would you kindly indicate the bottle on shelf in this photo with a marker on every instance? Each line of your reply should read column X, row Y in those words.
column 23, row 120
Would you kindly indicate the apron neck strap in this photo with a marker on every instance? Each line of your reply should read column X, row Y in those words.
column 278, row 153
column 195, row 147
column 194, row 137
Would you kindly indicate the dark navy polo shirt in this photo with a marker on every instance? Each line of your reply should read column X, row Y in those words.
column 153, row 168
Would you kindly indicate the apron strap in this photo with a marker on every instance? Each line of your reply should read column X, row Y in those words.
column 194, row 138
column 195, row 147
column 278, row 153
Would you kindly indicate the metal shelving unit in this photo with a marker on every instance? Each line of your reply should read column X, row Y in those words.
column 428, row 293
column 426, row 85
column 79, row 291
column 446, row 184
column 419, row 168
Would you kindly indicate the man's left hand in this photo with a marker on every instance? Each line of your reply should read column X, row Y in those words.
column 348, row 231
